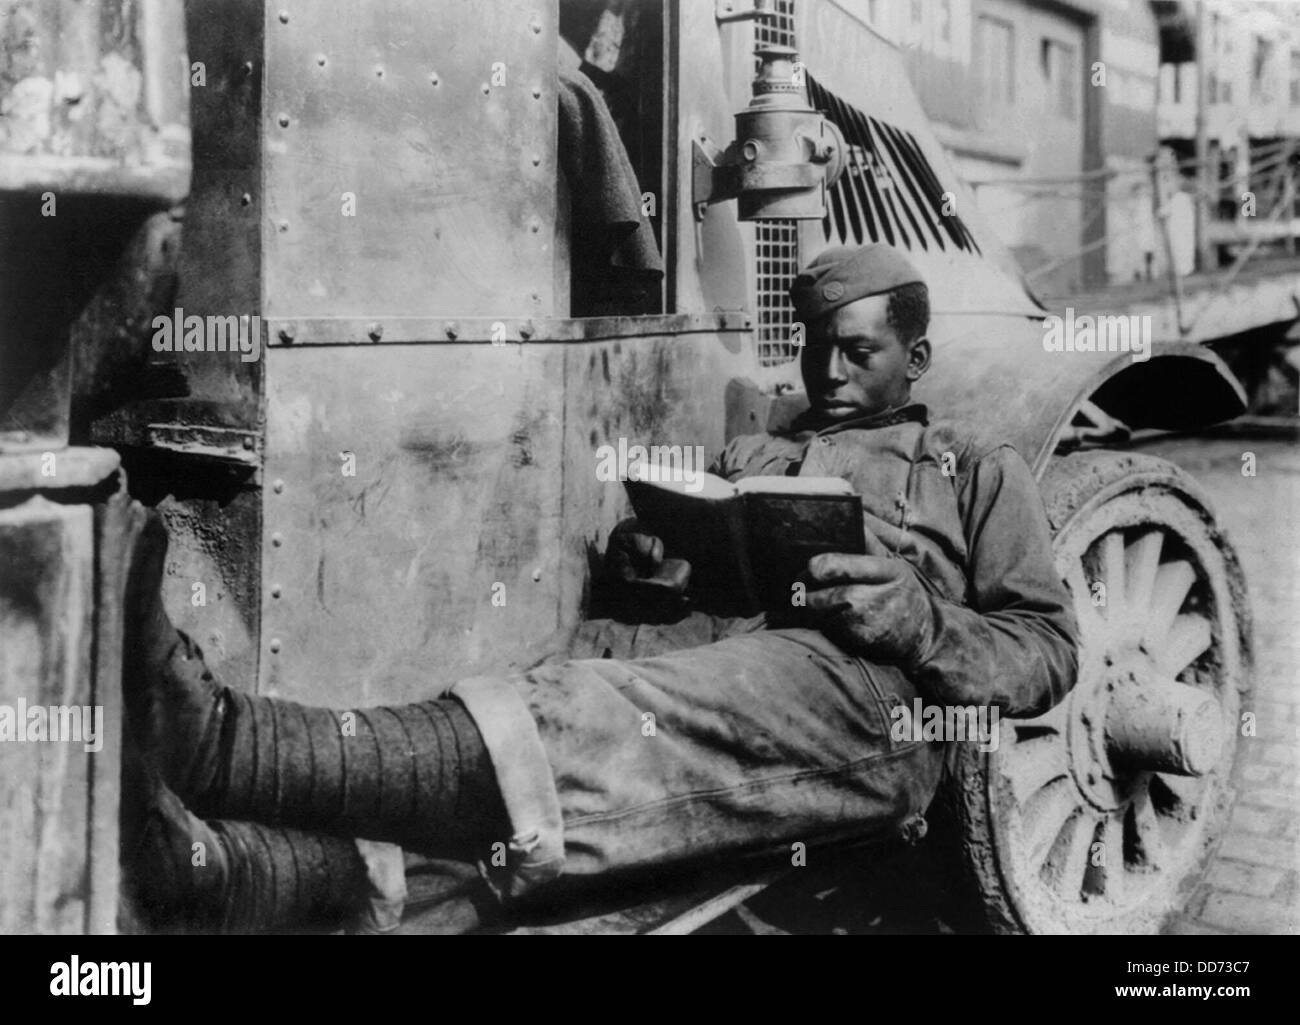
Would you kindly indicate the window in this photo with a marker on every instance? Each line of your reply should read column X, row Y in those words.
column 619, row 48
column 1062, row 74
column 1261, row 85
column 996, row 62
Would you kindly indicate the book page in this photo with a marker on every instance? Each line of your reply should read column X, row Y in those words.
column 793, row 486
column 700, row 485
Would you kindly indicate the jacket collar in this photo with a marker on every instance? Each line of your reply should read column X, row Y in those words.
column 913, row 411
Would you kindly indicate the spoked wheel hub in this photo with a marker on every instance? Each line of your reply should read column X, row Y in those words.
column 1138, row 723
column 1100, row 815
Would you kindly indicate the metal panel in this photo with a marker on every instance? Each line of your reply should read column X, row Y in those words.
column 712, row 263
column 438, row 121
column 474, row 466
column 379, row 586
column 221, row 244
column 664, row 391
column 400, row 330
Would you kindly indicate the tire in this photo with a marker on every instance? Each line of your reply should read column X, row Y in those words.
column 1060, row 831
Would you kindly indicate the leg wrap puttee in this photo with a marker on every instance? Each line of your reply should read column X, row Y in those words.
column 242, row 877
column 411, row 774
column 285, row 878
column 417, row 775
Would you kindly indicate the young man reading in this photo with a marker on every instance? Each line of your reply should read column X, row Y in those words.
column 763, row 735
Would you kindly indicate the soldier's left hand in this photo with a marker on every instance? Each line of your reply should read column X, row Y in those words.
column 871, row 605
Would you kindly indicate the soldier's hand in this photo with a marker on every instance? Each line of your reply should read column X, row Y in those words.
column 636, row 557
column 871, row 605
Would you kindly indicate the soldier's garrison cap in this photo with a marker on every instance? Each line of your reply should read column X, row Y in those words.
column 845, row 274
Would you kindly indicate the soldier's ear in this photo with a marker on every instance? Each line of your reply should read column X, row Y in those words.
column 918, row 358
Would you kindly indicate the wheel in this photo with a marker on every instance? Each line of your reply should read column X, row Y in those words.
column 1100, row 816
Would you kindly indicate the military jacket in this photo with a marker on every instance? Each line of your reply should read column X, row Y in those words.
column 967, row 517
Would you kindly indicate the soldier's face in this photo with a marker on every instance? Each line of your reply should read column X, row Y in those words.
column 854, row 364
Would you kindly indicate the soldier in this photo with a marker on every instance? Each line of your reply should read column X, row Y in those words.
column 760, row 734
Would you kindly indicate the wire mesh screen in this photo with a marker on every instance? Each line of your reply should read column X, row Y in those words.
column 777, row 259
column 778, row 27
column 777, row 249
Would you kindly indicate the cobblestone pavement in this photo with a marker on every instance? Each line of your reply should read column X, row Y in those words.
column 1253, row 884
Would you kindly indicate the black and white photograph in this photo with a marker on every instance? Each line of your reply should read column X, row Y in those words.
column 629, row 467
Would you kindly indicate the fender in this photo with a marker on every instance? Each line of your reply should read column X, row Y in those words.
column 997, row 377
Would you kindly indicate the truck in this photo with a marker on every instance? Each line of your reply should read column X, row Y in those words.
column 376, row 195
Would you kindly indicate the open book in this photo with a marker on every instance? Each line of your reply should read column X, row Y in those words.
column 747, row 542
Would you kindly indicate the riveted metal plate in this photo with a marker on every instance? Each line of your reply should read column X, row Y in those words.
column 402, row 330
column 398, row 147
column 378, row 570
column 473, row 467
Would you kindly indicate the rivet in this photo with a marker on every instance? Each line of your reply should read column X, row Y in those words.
column 284, row 226
column 537, row 575
column 277, row 539
column 320, row 59
column 526, row 329
column 246, row 199
column 434, row 79
column 284, row 17
column 537, row 159
column 534, row 225
column 379, row 72
column 486, row 88
column 279, row 487
column 452, row 329
column 275, row 590
column 248, row 67
column 248, row 443
column 375, row 331
column 287, row 333
column 537, row 92
column 284, row 120
column 275, row 645
column 535, row 25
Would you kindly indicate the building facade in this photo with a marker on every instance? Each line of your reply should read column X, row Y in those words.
column 1050, row 109
column 1252, row 114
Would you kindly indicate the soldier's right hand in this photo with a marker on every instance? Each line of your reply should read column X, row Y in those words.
column 635, row 558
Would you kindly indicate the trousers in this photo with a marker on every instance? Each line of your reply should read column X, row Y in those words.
column 705, row 737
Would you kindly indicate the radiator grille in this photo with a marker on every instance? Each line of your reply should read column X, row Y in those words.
column 777, row 249
column 778, row 259
column 778, row 28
